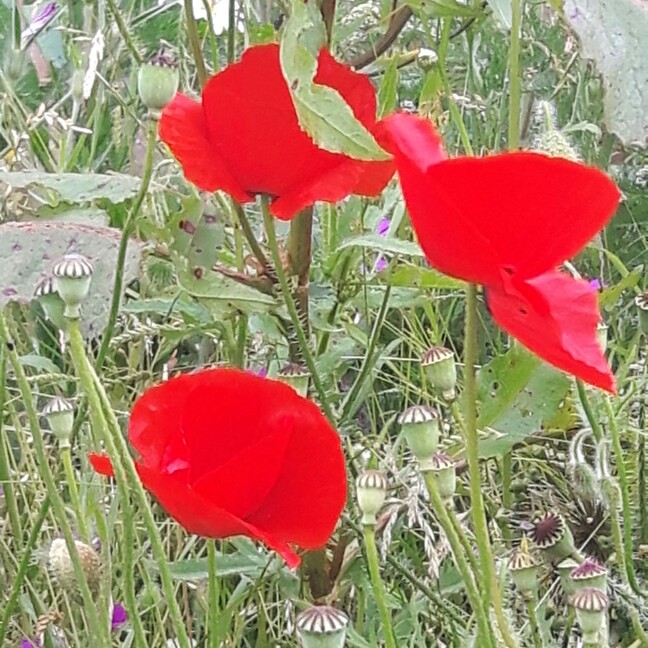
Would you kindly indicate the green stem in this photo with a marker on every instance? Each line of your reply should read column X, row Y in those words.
column 194, row 43
column 250, row 238
column 70, row 477
column 25, row 562
column 292, row 309
column 597, row 430
column 125, row 472
column 377, row 584
column 507, row 494
column 515, row 81
column 533, row 622
column 460, row 558
column 123, row 30
column 98, row 629
column 231, row 31
column 214, row 595
column 123, row 243
column 626, row 505
column 491, row 589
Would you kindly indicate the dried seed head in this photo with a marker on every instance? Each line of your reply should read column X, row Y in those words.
column 60, row 564
column 524, row 568
column 590, row 604
column 589, row 573
column 371, row 490
column 551, row 534
column 322, row 627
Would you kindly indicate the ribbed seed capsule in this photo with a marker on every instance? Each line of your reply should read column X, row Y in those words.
column 565, row 568
column 322, row 627
column 444, row 472
column 441, row 371
column 157, row 82
column 524, row 569
column 589, row 573
column 552, row 535
column 72, row 276
column 295, row 375
column 421, row 427
column 59, row 413
column 591, row 605
column 50, row 300
column 371, row 491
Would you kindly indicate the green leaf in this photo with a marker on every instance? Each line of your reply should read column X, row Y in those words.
column 383, row 244
column 322, row 111
column 610, row 296
column 418, row 277
column 444, row 9
column 614, row 35
column 76, row 187
column 388, row 91
column 39, row 363
column 516, row 393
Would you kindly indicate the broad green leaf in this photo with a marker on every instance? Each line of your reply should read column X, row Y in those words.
column 516, row 393
column 383, row 244
column 610, row 296
column 75, row 187
column 444, row 9
column 614, row 35
column 322, row 111
column 165, row 306
column 29, row 250
column 39, row 363
column 412, row 276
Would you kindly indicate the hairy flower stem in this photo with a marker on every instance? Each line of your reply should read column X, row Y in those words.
column 214, row 596
column 70, row 477
column 533, row 622
column 515, row 81
column 128, row 481
column 292, row 310
column 97, row 627
column 369, row 534
column 491, row 588
column 194, row 43
column 461, row 560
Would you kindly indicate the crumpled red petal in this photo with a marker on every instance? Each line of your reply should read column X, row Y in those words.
column 101, row 464
column 184, row 129
column 516, row 213
column 555, row 316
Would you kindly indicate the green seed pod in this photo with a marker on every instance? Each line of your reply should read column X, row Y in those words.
column 441, row 371
column 443, row 469
column 421, row 431
column 591, row 605
column 295, row 375
column 371, row 490
column 157, row 82
column 60, row 417
column 72, row 277
column 50, row 301
column 61, row 567
column 553, row 537
column 322, row 627
column 589, row 573
column 524, row 569
column 641, row 301
column 565, row 568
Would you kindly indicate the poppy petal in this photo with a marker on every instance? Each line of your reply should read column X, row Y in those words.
column 184, row 129
column 518, row 213
column 309, row 496
column 555, row 316
column 101, row 464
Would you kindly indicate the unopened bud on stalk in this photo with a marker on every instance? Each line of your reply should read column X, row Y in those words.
column 441, row 371
column 295, row 375
column 60, row 417
column 371, row 490
column 444, row 472
column 322, row 627
column 591, row 605
column 60, row 564
column 72, row 276
column 421, row 428
column 552, row 535
column 524, row 569
column 157, row 82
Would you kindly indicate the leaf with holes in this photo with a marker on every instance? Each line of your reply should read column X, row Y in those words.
column 29, row 250
column 516, row 393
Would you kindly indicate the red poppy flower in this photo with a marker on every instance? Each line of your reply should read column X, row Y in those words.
column 244, row 136
column 228, row 453
column 506, row 221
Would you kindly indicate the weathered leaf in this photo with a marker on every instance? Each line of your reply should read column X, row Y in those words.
column 516, row 393
column 614, row 35
column 76, row 187
column 322, row 112
column 29, row 250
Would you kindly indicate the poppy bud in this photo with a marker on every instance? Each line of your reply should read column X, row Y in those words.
column 295, row 375
column 524, row 569
column 50, row 300
column 590, row 604
column 60, row 417
column 589, row 573
column 427, row 59
column 322, row 627
column 371, row 490
column 552, row 535
column 421, row 431
column 565, row 569
column 72, row 276
column 641, row 302
column 60, row 564
column 157, row 82
column 443, row 469
column 440, row 370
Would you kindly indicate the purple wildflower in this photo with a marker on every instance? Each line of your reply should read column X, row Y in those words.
column 383, row 226
column 119, row 616
column 262, row 372
column 597, row 284
column 39, row 21
column 26, row 642
column 381, row 264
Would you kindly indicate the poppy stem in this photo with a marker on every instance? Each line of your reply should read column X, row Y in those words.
column 194, row 42
column 515, row 82
column 214, row 595
column 490, row 591
column 292, row 309
column 369, row 533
